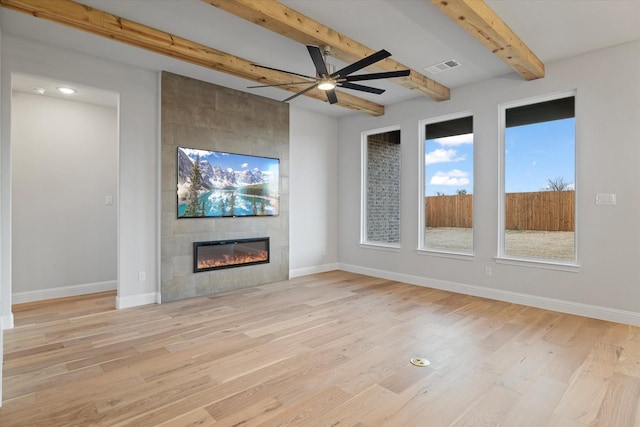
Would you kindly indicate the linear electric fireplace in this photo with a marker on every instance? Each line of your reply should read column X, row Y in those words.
column 218, row 254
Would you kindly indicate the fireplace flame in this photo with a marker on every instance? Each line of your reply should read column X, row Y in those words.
column 225, row 260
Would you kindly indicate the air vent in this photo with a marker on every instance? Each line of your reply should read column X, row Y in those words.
column 443, row 66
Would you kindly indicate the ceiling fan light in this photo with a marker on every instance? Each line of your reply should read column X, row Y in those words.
column 326, row 85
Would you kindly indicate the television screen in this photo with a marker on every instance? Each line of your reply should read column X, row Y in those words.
column 218, row 184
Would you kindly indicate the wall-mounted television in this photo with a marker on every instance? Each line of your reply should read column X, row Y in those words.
column 219, row 184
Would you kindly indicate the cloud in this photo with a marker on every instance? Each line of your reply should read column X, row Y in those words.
column 192, row 152
column 244, row 165
column 454, row 177
column 440, row 155
column 452, row 141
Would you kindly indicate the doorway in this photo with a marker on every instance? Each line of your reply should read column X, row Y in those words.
column 64, row 170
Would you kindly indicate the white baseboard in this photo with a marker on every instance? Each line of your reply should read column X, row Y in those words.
column 63, row 291
column 6, row 322
column 562, row 306
column 313, row 270
column 136, row 300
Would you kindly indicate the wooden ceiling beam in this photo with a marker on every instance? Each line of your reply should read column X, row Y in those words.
column 104, row 24
column 475, row 17
column 285, row 21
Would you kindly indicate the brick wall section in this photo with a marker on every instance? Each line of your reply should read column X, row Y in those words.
column 383, row 187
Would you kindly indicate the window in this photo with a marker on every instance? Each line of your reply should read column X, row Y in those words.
column 538, row 204
column 381, row 187
column 446, row 195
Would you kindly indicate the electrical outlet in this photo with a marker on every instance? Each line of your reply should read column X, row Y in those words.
column 488, row 272
column 142, row 276
column 606, row 199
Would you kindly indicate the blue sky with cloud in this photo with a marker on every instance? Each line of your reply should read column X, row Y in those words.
column 449, row 165
column 533, row 154
column 236, row 162
column 538, row 152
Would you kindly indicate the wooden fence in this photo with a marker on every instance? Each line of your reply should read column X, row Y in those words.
column 450, row 211
column 540, row 210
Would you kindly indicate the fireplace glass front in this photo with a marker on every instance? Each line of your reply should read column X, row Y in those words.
column 219, row 254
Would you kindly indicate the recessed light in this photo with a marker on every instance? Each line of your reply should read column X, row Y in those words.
column 38, row 90
column 66, row 90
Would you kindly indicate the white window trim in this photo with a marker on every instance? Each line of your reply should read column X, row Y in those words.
column 363, row 190
column 550, row 264
column 462, row 256
column 381, row 246
column 422, row 244
column 544, row 263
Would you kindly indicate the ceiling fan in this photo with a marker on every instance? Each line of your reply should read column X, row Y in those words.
column 327, row 79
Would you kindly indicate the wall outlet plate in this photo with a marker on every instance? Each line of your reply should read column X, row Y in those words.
column 606, row 199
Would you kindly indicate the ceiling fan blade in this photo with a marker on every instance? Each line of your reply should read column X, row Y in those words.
column 374, row 76
column 284, row 71
column 301, row 92
column 280, row 84
column 362, row 88
column 364, row 62
column 318, row 60
column 332, row 97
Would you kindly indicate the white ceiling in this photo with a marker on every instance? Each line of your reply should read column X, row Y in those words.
column 31, row 84
column 414, row 31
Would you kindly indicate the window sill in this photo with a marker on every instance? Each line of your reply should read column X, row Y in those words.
column 380, row 246
column 464, row 256
column 543, row 264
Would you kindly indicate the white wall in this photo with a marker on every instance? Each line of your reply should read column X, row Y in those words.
column 608, row 155
column 314, row 175
column 137, row 210
column 313, row 192
column 64, row 164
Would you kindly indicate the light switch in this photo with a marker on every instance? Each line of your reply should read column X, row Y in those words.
column 606, row 199
column 108, row 200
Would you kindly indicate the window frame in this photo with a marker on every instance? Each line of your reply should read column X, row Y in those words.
column 422, row 241
column 520, row 260
column 364, row 169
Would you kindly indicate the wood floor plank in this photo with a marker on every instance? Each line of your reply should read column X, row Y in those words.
column 354, row 410
column 535, row 407
column 587, row 391
column 620, row 404
column 325, row 349
column 306, row 412
column 200, row 418
column 629, row 362
column 490, row 409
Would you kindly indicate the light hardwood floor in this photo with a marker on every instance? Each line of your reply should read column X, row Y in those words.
column 331, row 349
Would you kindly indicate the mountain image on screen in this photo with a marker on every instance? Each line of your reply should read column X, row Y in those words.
column 216, row 184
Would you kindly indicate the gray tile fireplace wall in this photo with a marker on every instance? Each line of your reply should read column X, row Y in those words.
column 201, row 115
